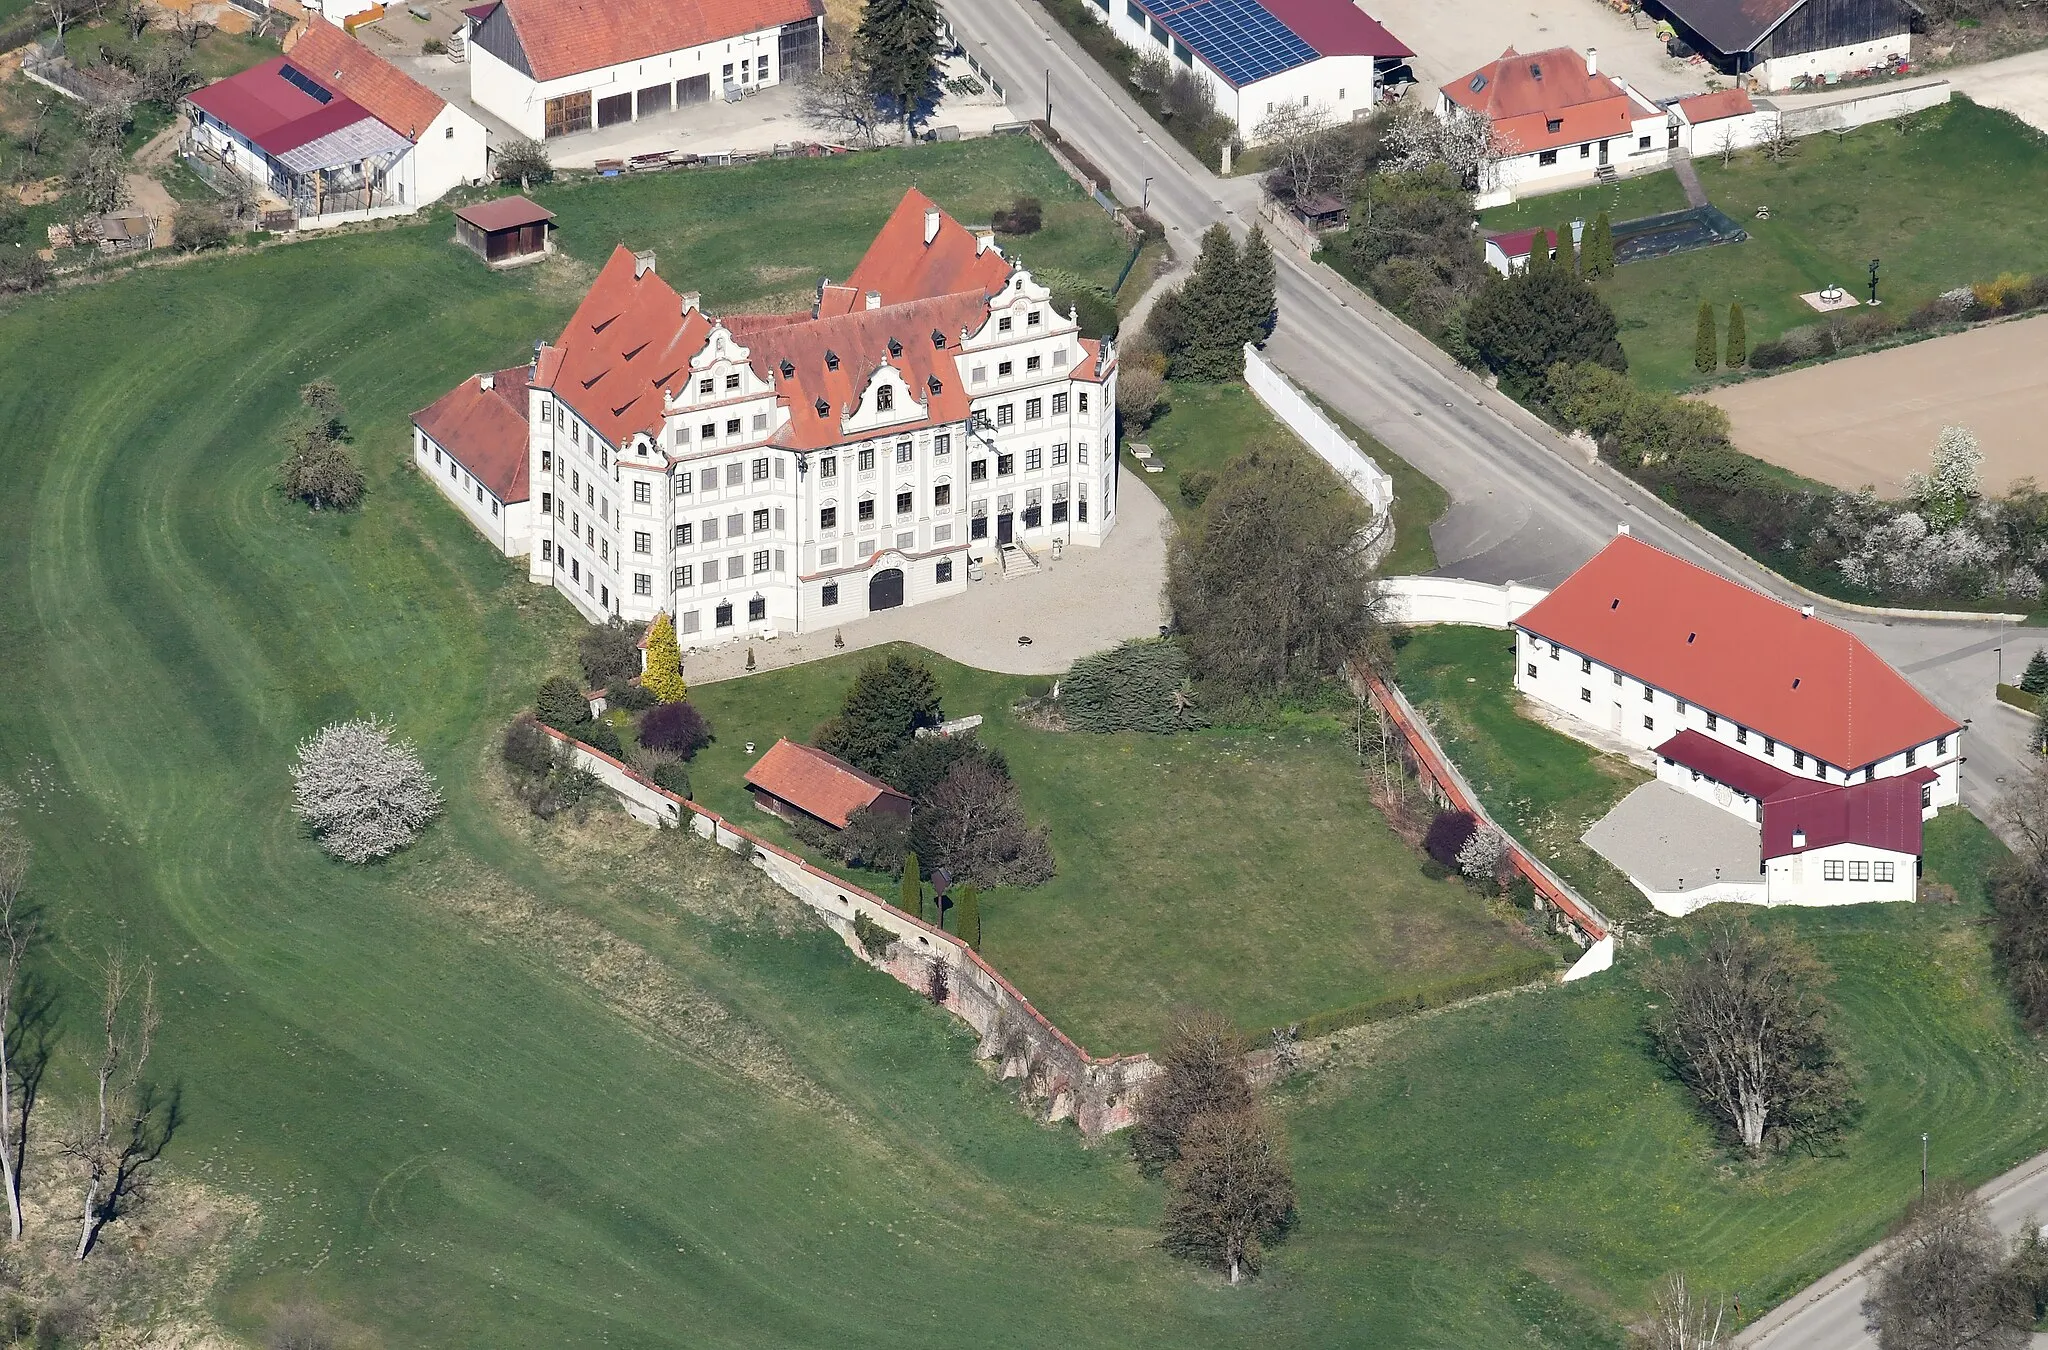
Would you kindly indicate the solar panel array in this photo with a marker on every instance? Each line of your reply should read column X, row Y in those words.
column 1239, row 39
column 305, row 83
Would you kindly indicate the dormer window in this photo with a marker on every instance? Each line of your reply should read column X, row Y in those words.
column 932, row 383
column 885, row 398
column 938, row 339
column 823, row 407
column 1554, row 125
column 831, row 359
column 895, row 348
column 787, row 369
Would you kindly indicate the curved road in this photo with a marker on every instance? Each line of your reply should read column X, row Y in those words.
column 1525, row 505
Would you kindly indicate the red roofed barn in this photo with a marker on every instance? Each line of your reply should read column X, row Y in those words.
column 334, row 131
column 1557, row 120
column 555, row 67
column 794, row 781
column 1763, row 709
column 758, row 474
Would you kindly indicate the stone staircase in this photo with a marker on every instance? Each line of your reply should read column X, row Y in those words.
column 1606, row 175
column 1016, row 560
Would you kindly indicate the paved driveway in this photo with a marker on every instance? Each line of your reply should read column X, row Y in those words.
column 1090, row 599
column 1452, row 38
column 2018, row 84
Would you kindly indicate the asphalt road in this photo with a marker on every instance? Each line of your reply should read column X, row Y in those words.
column 1525, row 504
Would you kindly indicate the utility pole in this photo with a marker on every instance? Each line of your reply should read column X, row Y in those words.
column 1145, row 196
column 1048, row 97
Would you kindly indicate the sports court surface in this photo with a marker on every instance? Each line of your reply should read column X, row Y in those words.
column 1873, row 419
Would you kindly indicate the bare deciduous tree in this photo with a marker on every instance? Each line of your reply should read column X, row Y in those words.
column 1201, row 1070
column 1777, row 144
column 2023, row 815
column 61, row 14
column 1310, row 151
column 1945, row 1286
column 841, row 100
column 1229, row 1192
column 1741, row 1021
column 99, row 178
column 128, row 1125
column 973, row 825
column 1683, row 1319
column 364, row 794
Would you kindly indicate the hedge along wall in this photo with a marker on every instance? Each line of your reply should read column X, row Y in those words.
column 1098, row 1094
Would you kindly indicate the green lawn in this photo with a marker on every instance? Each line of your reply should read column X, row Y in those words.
column 1651, row 194
column 1956, row 199
column 1242, row 870
column 590, row 1085
column 1544, row 786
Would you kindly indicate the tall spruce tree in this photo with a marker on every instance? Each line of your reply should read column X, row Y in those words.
column 1212, row 307
column 1738, row 338
column 1257, row 286
column 896, row 47
column 2035, row 680
column 1705, row 350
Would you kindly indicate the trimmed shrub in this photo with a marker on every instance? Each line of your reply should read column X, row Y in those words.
column 629, row 696
column 528, row 748
column 1447, row 836
column 674, row 777
column 1038, row 686
column 1769, row 356
column 664, row 674
column 967, row 914
column 601, row 735
column 561, row 704
column 676, row 727
column 1705, row 354
column 1738, row 337
column 1141, row 685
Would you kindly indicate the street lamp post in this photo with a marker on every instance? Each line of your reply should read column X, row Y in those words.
column 1048, row 96
column 1923, row 1165
column 1145, row 196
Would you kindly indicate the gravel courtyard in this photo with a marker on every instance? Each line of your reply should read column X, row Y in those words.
column 1452, row 38
column 1668, row 840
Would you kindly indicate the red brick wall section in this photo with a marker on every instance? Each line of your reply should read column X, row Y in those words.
column 1449, row 787
column 1098, row 1093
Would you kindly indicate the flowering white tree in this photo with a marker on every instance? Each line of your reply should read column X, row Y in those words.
column 364, row 794
column 1463, row 139
column 1480, row 858
column 1947, row 492
column 1904, row 554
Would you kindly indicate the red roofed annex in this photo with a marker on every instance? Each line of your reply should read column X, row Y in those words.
column 758, row 474
column 1670, row 656
column 794, row 779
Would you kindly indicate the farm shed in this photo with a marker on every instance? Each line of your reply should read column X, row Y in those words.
column 505, row 231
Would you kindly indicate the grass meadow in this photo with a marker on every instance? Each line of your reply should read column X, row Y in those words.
column 586, row 1084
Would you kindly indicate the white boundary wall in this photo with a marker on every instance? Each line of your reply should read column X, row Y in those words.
column 1807, row 117
column 1318, row 432
column 1481, row 604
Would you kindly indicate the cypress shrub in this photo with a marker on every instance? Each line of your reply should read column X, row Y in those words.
column 664, row 674
column 1138, row 686
column 911, row 899
column 1738, row 338
column 967, row 915
column 1705, row 351
column 674, row 777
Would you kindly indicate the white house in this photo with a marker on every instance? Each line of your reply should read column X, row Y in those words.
column 1767, row 711
column 556, row 67
column 335, row 131
column 471, row 443
column 791, row 472
column 1725, row 120
column 1558, row 122
column 1258, row 55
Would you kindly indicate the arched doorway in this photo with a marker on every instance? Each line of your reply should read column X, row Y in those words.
column 885, row 589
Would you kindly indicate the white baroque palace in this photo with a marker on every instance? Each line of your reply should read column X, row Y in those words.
column 790, row 472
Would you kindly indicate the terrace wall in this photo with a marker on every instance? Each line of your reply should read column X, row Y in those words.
column 1479, row 604
column 1097, row 1093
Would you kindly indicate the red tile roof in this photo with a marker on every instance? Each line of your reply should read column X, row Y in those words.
column 861, row 342
column 1713, row 107
column 568, row 37
column 818, row 784
column 1757, row 661
column 485, row 430
column 257, row 102
column 504, row 213
column 626, row 343
column 1518, row 243
column 1882, row 814
column 339, row 62
column 1725, row 764
column 1521, row 95
column 1336, row 27
column 902, row 266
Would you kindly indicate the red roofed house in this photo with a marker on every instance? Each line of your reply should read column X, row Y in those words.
column 1763, row 709
column 771, row 473
column 472, row 444
column 1509, row 252
column 334, row 131
column 555, row 67
column 1710, row 123
column 1257, row 56
column 1558, row 120
column 794, row 781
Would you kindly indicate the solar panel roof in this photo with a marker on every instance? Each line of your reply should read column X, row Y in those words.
column 1239, row 39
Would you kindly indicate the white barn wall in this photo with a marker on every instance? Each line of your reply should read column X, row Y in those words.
column 1800, row 878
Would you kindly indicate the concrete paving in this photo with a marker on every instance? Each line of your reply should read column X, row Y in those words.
column 1452, row 38
column 2018, row 84
column 1666, row 840
column 1092, row 598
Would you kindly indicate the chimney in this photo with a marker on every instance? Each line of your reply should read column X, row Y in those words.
column 692, row 300
column 874, row 299
column 643, row 263
column 1806, row 611
column 486, row 382
column 1799, row 839
column 1592, row 61
column 931, row 223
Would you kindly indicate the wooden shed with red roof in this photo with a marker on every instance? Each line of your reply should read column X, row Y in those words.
column 505, row 231
column 798, row 782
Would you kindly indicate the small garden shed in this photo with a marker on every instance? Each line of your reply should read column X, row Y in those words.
column 505, row 231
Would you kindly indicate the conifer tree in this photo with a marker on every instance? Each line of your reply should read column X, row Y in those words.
column 1567, row 253
column 1597, row 256
column 1212, row 307
column 1257, row 287
column 1738, row 338
column 912, row 899
column 967, row 915
column 663, row 677
column 1539, row 250
column 2035, row 681
column 896, row 47
column 1705, row 353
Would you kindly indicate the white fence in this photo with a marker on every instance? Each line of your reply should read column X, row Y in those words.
column 1318, row 432
column 1804, row 116
column 1481, row 604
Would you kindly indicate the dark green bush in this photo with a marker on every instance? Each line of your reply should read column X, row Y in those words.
column 528, row 748
column 1038, row 686
column 1141, row 685
column 1196, row 485
column 874, row 939
column 561, row 704
column 600, row 735
column 674, row 777
column 629, row 696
